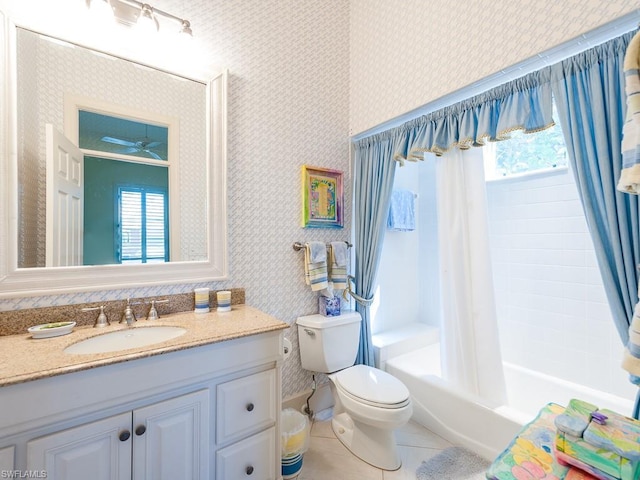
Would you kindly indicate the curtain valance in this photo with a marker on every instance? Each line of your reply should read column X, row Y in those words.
column 522, row 104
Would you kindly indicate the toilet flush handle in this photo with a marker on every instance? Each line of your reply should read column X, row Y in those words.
column 310, row 332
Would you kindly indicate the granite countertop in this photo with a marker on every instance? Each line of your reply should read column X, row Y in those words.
column 23, row 358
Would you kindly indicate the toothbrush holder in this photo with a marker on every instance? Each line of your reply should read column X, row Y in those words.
column 224, row 300
column 202, row 300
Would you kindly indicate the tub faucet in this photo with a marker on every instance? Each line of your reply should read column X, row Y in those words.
column 129, row 316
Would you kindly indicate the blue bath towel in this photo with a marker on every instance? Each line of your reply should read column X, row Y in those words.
column 402, row 217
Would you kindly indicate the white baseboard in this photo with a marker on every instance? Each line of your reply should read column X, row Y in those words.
column 321, row 400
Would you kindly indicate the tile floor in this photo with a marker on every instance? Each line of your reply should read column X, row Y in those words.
column 328, row 459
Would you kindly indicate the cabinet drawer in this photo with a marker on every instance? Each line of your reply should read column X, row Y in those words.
column 245, row 406
column 254, row 457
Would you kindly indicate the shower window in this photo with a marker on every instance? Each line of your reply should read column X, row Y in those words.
column 526, row 153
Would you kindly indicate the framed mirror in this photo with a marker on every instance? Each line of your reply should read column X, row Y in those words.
column 152, row 165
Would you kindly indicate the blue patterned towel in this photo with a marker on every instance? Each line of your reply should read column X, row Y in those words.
column 338, row 265
column 315, row 265
column 631, row 356
column 629, row 181
column 402, row 217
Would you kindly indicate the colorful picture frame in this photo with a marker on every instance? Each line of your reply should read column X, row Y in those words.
column 322, row 198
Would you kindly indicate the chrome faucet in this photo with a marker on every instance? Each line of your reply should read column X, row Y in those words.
column 153, row 312
column 129, row 316
column 102, row 320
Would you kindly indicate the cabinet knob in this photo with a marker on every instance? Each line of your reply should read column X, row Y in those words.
column 140, row 429
column 249, row 470
column 250, row 407
column 124, row 436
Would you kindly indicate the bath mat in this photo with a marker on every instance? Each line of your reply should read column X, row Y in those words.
column 454, row 463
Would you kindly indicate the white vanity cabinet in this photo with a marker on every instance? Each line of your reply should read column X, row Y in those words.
column 206, row 412
column 165, row 440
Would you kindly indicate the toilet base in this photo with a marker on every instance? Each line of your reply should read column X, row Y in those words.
column 373, row 445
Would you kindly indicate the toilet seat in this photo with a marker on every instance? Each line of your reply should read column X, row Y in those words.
column 373, row 387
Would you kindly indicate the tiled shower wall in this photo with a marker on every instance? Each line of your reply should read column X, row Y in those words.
column 552, row 310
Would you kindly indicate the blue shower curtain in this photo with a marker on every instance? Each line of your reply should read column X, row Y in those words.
column 590, row 99
column 374, row 171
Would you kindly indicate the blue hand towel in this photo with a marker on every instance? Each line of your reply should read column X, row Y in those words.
column 315, row 265
column 338, row 265
column 631, row 356
column 402, row 216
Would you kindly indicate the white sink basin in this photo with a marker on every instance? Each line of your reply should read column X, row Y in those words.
column 125, row 339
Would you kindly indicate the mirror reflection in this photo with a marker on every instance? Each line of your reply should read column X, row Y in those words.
column 110, row 159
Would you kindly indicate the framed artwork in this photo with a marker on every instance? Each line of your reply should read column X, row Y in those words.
column 322, row 197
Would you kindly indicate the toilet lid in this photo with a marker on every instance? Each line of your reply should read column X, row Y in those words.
column 372, row 387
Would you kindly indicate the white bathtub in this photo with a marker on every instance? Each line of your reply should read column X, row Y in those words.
column 464, row 420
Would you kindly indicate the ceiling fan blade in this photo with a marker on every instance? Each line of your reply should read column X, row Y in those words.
column 152, row 144
column 118, row 141
column 128, row 150
column 153, row 154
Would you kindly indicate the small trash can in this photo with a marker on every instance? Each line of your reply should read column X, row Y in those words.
column 295, row 441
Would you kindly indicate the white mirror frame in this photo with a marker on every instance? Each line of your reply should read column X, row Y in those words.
column 23, row 282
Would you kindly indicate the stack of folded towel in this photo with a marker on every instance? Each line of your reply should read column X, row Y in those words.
column 630, row 176
column 338, row 270
column 631, row 358
column 315, row 265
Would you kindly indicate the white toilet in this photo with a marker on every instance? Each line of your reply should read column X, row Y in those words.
column 369, row 403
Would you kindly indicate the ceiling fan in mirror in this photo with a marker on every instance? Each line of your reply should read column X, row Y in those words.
column 133, row 146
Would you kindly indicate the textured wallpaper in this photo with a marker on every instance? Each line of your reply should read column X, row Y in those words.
column 409, row 53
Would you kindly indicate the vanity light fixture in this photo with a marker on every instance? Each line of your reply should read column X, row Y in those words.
column 142, row 15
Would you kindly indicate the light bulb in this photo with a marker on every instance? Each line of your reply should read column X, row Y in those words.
column 186, row 29
column 147, row 22
column 100, row 9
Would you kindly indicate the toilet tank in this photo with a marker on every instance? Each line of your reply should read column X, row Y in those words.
column 328, row 344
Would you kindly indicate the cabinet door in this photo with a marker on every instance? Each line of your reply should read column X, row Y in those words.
column 171, row 439
column 253, row 457
column 6, row 458
column 99, row 450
